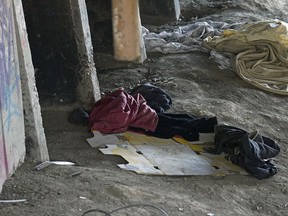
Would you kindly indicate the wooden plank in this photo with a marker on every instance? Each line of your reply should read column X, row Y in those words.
column 127, row 35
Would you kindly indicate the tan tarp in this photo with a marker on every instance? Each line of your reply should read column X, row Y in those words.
column 261, row 53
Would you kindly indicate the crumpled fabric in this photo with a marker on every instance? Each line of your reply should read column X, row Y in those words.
column 185, row 125
column 184, row 38
column 251, row 151
column 117, row 111
column 261, row 49
column 156, row 97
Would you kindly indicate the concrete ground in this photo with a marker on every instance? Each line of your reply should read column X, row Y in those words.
column 197, row 86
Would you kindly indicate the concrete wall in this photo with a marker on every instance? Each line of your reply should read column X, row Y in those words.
column 12, row 138
column 58, row 30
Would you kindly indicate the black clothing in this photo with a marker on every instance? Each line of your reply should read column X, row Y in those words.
column 156, row 98
column 251, row 151
column 79, row 116
column 187, row 126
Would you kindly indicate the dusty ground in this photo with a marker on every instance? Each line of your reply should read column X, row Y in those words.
column 197, row 86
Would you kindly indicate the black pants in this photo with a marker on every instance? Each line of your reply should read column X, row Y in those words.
column 187, row 126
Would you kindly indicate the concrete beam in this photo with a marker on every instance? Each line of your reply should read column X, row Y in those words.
column 88, row 90
column 127, row 35
column 34, row 131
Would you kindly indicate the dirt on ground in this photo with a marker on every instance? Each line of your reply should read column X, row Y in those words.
column 197, row 86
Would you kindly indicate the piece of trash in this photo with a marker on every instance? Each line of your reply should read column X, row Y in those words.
column 258, row 208
column 63, row 163
column 81, row 197
column 210, row 214
column 181, row 209
column 48, row 163
column 75, row 174
column 286, row 205
column 13, row 201
column 43, row 165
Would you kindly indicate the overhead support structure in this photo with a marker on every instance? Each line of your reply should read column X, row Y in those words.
column 88, row 86
column 34, row 132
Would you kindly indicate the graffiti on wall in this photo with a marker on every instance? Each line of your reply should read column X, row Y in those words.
column 3, row 157
column 9, row 76
column 9, row 82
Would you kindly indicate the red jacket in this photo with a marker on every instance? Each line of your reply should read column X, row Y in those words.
column 116, row 111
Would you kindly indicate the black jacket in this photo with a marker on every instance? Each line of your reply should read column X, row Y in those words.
column 156, row 98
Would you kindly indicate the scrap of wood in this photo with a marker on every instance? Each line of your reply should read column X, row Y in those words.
column 127, row 35
column 197, row 146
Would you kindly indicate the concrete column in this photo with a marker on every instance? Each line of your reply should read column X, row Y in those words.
column 34, row 131
column 88, row 86
column 127, row 35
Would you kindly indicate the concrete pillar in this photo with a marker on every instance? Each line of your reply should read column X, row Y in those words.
column 34, row 131
column 88, row 86
column 127, row 35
